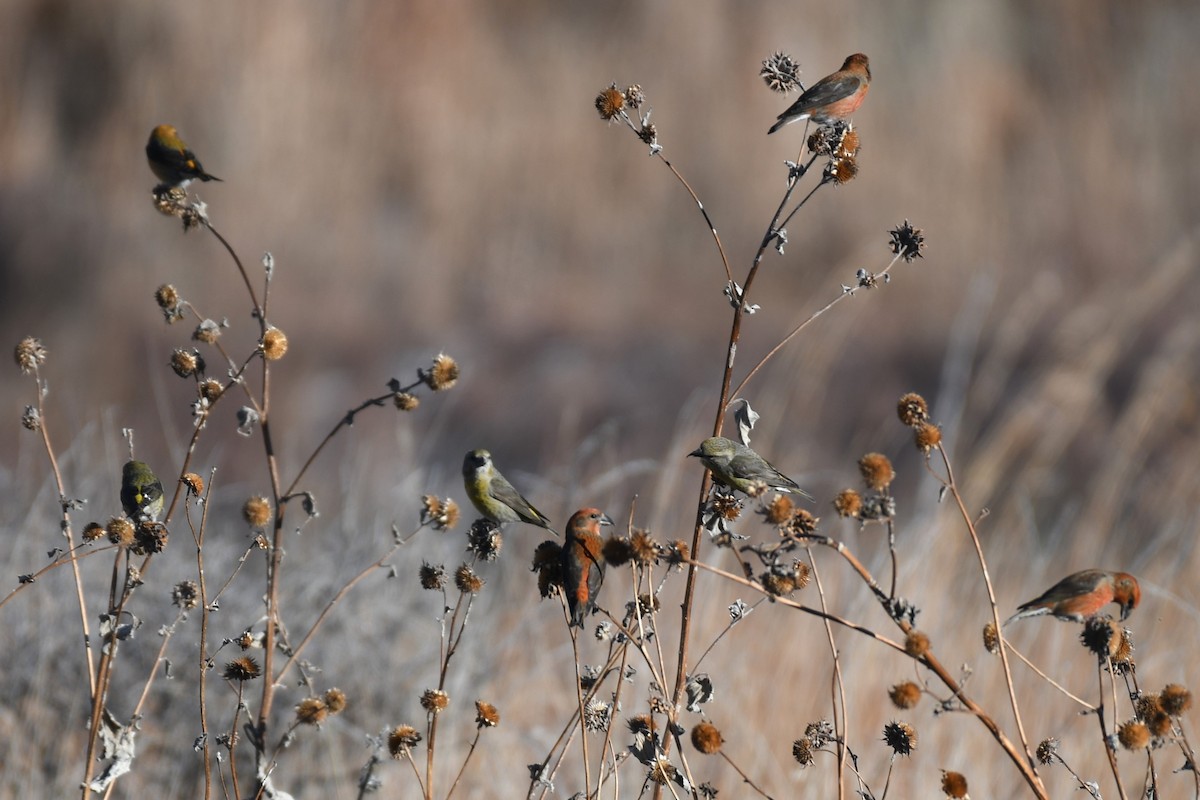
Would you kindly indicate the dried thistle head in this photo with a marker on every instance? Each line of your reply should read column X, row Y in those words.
column 401, row 740
column 486, row 715
column 311, row 711
column 442, row 375
column 876, row 470
column 610, row 102
column 848, row 503
column 905, row 695
column 706, row 738
column 912, row 409
column 901, row 737
column 29, row 354
column 242, row 668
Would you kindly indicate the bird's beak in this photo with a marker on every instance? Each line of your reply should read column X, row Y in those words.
column 605, row 519
column 695, row 453
column 1126, row 608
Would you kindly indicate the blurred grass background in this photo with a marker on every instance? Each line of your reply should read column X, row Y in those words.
column 433, row 176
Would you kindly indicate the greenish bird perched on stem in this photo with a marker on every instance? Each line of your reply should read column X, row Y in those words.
column 141, row 492
column 737, row 466
column 495, row 497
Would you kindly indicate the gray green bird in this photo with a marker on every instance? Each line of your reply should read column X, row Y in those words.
column 495, row 497
column 141, row 493
column 737, row 466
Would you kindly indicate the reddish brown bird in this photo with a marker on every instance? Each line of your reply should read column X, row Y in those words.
column 1079, row 596
column 582, row 562
column 834, row 97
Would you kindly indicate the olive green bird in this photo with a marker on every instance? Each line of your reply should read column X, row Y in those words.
column 141, row 493
column 494, row 496
column 737, row 466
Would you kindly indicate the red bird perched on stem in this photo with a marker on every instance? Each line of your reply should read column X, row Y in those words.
column 834, row 97
column 1081, row 595
column 582, row 562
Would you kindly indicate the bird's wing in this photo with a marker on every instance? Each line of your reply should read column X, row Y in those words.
column 504, row 492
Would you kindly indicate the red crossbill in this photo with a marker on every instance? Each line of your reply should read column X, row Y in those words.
column 834, row 97
column 171, row 160
column 582, row 562
column 737, row 466
column 1079, row 596
column 141, row 492
column 495, row 497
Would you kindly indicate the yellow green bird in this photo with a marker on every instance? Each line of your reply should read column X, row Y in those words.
column 141, row 493
column 495, row 497
column 170, row 159
column 737, row 466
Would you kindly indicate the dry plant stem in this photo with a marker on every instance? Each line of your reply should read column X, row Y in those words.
column 929, row 660
column 784, row 601
column 745, row 778
column 1104, row 742
column 333, row 601
column 583, row 739
column 162, row 650
column 1047, row 678
column 812, row 318
column 76, row 553
column 712, row 228
column 952, row 484
column 726, row 630
column 463, row 768
column 233, row 728
column 241, row 270
column 840, row 713
column 201, row 580
column 65, row 524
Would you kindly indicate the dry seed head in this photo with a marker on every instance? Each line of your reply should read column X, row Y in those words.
column 1047, row 751
column 149, row 537
column 433, row 576
column 1160, row 725
column 466, row 580
column 1176, row 699
column 901, row 737
column 850, row 144
column 402, row 739
column 706, row 738
column 802, row 752
column 405, row 401
column 311, row 711
column 441, row 514
column 186, row 595
column 907, row 242
column 823, row 141
column 617, row 551
column 274, row 344
column 927, row 436
column 435, row 701
column 641, row 723
column 257, row 511
column 1133, row 735
column 1101, row 635
column 31, row 419
column 29, row 354
column 991, row 638
column 645, row 549
column 242, row 668
column 167, row 297
column 484, row 539
column 1122, row 655
column 848, row 503
column 194, row 484
column 779, row 510
column 913, row 409
column 93, row 531
column 778, row 585
column 634, row 96
column 905, row 695
column 916, row 644
column 802, row 523
column 610, row 102
column 678, row 552
column 211, row 389
column 207, row 332
column 954, row 784
column 780, row 73
column 186, row 362
column 876, row 471
column 842, row 170
column 729, row 507
column 120, row 531
column 486, row 715
column 335, row 700
column 442, row 375
column 802, row 573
